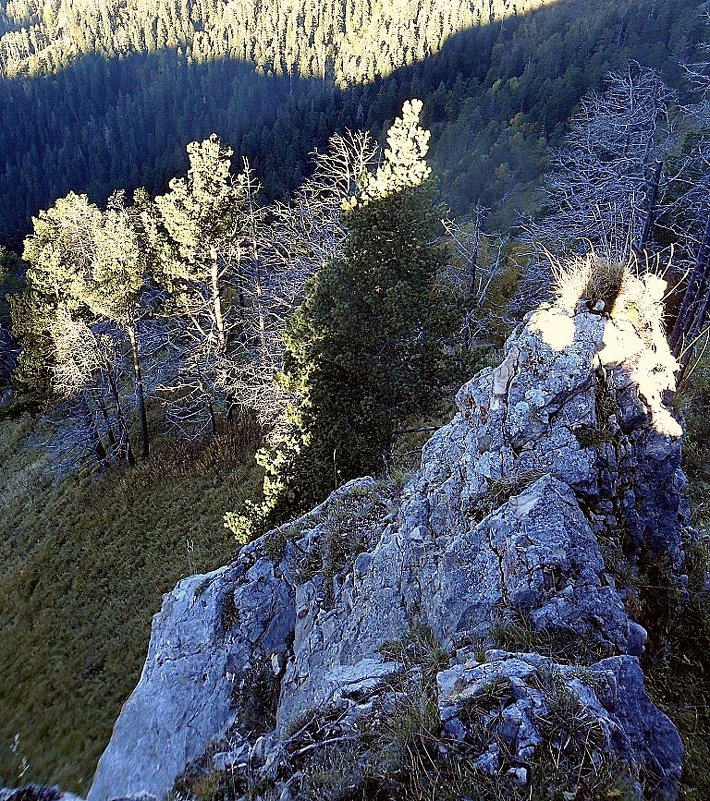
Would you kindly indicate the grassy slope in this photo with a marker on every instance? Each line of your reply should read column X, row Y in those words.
column 83, row 566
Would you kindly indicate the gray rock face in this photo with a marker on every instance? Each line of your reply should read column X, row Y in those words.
column 210, row 628
column 216, row 650
column 554, row 459
column 522, row 701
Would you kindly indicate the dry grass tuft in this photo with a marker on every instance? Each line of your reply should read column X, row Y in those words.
column 592, row 279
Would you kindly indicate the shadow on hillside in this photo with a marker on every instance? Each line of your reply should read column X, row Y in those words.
column 495, row 95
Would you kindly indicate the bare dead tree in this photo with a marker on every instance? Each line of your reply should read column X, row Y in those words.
column 278, row 251
column 264, row 259
column 694, row 213
column 608, row 183
column 478, row 260
column 200, row 242
column 634, row 169
column 87, row 377
column 191, row 347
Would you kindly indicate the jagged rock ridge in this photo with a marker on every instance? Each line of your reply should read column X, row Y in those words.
column 482, row 599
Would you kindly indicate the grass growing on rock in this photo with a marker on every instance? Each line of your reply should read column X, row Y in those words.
column 402, row 756
column 501, row 490
column 400, row 753
column 517, row 633
column 348, row 526
column 598, row 281
column 84, row 562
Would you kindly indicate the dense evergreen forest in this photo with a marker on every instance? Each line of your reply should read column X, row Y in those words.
column 350, row 42
column 95, row 97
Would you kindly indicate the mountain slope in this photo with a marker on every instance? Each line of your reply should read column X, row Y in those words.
column 350, row 41
column 495, row 96
column 474, row 634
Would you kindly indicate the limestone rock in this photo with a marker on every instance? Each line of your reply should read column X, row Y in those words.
column 524, row 701
column 208, row 674
column 316, row 632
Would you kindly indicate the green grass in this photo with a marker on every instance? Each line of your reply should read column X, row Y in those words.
column 84, row 562
column 677, row 665
column 401, row 755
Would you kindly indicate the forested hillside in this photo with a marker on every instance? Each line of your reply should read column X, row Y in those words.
column 254, row 298
column 350, row 41
column 97, row 100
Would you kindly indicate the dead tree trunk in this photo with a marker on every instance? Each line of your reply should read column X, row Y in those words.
column 96, row 442
column 125, row 450
column 693, row 310
column 140, row 392
column 217, row 300
column 651, row 198
column 470, row 297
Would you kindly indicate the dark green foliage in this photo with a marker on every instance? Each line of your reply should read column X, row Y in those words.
column 11, row 277
column 368, row 347
column 368, row 343
column 32, row 315
column 11, row 269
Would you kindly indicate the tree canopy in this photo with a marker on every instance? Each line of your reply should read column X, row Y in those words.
column 368, row 347
column 108, row 95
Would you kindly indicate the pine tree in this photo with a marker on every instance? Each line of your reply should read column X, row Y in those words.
column 84, row 285
column 367, row 348
column 199, row 214
column 199, row 240
column 57, row 254
column 116, row 290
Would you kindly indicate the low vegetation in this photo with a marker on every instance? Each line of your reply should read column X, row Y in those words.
column 401, row 752
column 83, row 566
column 677, row 658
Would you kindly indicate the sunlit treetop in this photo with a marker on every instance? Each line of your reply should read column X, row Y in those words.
column 404, row 165
column 200, row 208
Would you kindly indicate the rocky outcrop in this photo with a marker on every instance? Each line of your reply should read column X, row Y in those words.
column 515, row 703
column 487, row 604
